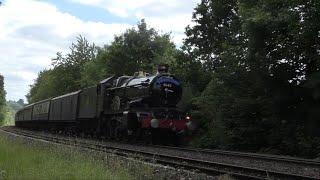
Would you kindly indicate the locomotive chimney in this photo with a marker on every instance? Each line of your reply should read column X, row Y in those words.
column 163, row 68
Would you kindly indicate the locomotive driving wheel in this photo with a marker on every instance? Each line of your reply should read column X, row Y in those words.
column 115, row 130
column 111, row 129
column 119, row 133
column 146, row 136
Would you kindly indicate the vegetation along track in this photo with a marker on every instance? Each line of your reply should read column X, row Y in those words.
column 212, row 162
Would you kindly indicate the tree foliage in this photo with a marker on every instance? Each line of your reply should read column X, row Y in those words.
column 265, row 59
column 65, row 76
column 2, row 99
column 140, row 48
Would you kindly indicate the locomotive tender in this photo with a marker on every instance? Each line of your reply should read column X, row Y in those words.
column 140, row 106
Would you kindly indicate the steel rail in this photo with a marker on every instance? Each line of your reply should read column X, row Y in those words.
column 263, row 157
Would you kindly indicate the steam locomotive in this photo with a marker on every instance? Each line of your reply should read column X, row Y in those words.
column 142, row 106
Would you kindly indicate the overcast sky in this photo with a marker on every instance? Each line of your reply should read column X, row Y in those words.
column 32, row 31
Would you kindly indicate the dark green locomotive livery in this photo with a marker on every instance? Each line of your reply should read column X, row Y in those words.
column 117, row 107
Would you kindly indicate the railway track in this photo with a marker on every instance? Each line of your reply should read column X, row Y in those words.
column 193, row 159
column 261, row 157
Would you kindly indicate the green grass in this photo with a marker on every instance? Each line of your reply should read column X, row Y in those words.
column 20, row 159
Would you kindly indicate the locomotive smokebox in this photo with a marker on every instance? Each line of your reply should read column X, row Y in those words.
column 165, row 90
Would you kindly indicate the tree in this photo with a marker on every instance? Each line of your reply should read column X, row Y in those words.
column 139, row 49
column 282, row 52
column 95, row 70
column 80, row 53
column 216, row 30
column 15, row 106
column 45, row 86
column 21, row 102
column 193, row 76
column 65, row 76
column 2, row 99
column 264, row 56
column 72, row 64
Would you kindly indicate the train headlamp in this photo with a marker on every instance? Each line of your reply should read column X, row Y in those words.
column 154, row 123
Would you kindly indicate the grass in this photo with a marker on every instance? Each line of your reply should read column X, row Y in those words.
column 26, row 160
